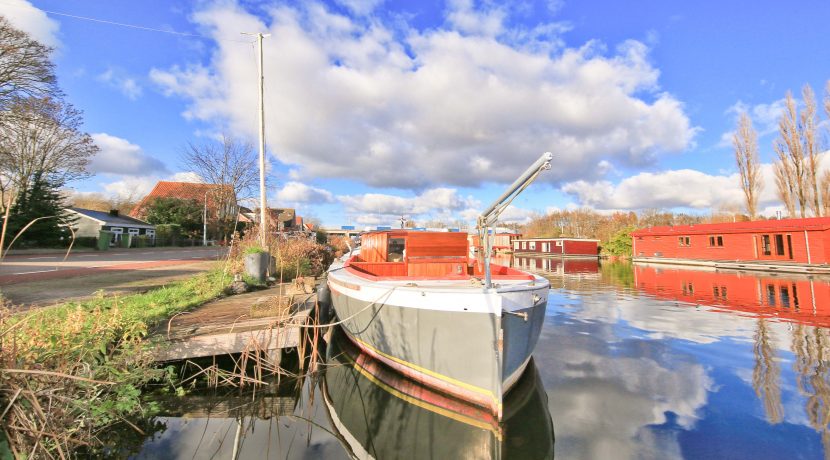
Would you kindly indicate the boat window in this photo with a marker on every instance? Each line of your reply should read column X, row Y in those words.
column 765, row 245
column 720, row 241
column 779, row 245
column 396, row 250
column 790, row 245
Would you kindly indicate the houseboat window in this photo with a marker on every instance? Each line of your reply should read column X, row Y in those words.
column 720, row 241
column 723, row 292
column 770, row 295
column 765, row 245
column 716, row 241
column 395, row 250
column 533, row 245
column 790, row 245
column 779, row 245
column 684, row 241
column 795, row 296
column 785, row 297
column 559, row 243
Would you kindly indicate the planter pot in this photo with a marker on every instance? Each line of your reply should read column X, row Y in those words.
column 256, row 265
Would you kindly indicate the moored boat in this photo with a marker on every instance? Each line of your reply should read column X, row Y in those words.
column 416, row 302
column 378, row 413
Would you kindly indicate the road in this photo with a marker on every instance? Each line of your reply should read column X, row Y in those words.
column 35, row 267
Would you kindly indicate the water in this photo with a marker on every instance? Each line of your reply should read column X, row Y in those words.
column 633, row 362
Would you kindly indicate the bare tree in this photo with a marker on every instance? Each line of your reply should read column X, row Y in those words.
column 809, row 141
column 784, row 184
column 791, row 158
column 745, row 141
column 25, row 68
column 825, row 192
column 42, row 136
column 231, row 164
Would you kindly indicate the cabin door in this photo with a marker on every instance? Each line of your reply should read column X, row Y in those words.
column 774, row 246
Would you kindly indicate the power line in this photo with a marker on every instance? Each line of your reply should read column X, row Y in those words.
column 133, row 26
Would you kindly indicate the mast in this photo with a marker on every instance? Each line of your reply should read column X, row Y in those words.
column 491, row 215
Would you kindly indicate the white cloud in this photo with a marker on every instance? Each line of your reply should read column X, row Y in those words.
column 360, row 7
column 136, row 187
column 297, row 192
column 392, row 106
column 686, row 188
column 764, row 118
column 119, row 156
column 26, row 17
column 186, row 176
column 123, row 83
column 444, row 204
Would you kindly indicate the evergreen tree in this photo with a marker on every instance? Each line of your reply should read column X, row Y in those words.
column 185, row 213
column 42, row 199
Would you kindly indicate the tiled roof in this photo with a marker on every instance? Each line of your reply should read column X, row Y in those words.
column 810, row 223
column 183, row 190
column 109, row 219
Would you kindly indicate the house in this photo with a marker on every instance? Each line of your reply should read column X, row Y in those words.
column 220, row 200
column 281, row 220
column 89, row 223
column 564, row 247
column 501, row 241
column 805, row 241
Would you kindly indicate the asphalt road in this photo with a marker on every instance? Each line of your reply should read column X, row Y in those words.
column 30, row 266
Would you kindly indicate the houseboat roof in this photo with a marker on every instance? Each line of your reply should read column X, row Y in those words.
column 783, row 225
column 556, row 239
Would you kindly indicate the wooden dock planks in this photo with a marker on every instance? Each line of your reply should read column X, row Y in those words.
column 264, row 320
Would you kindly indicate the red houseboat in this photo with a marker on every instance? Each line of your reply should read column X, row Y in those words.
column 794, row 298
column 567, row 247
column 805, row 241
column 502, row 242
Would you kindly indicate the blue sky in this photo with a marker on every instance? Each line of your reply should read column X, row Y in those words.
column 376, row 109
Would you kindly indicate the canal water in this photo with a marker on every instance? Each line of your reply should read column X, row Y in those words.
column 633, row 362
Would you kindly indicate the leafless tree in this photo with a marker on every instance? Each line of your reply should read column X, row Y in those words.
column 791, row 168
column 825, row 192
column 42, row 136
column 745, row 141
column 25, row 68
column 809, row 141
column 232, row 164
column 784, row 184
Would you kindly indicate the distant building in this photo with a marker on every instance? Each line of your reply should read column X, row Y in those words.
column 501, row 241
column 564, row 247
column 787, row 240
column 220, row 200
column 89, row 223
column 280, row 220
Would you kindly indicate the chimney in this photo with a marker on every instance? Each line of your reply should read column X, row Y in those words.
column 114, row 212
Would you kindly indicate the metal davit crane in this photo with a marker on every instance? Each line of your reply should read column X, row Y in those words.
column 491, row 215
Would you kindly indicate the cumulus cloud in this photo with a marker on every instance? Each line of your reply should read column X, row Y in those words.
column 26, row 17
column 683, row 188
column 297, row 192
column 360, row 7
column 120, row 156
column 123, row 83
column 136, row 187
column 470, row 102
column 439, row 203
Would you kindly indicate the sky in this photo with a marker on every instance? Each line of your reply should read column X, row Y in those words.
column 377, row 109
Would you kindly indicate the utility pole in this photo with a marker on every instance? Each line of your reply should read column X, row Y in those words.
column 263, row 203
column 204, row 223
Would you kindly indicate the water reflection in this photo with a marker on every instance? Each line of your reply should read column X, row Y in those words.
column 632, row 362
column 380, row 414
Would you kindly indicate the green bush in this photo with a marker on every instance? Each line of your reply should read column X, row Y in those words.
column 254, row 250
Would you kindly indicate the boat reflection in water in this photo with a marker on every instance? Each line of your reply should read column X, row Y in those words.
column 379, row 413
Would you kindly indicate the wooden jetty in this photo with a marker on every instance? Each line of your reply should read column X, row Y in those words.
column 265, row 320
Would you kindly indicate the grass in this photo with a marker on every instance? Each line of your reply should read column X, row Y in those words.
column 69, row 372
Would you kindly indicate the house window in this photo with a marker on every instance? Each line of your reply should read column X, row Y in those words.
column 766, row 248
column 779, row 245
column 150, row 233
column 684, row 241
column 716, row 241
column 133, row 231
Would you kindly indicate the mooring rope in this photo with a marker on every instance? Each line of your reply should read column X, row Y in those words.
column 336, row 323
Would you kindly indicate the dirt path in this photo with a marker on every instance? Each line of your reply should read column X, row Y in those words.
column 47, row 292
